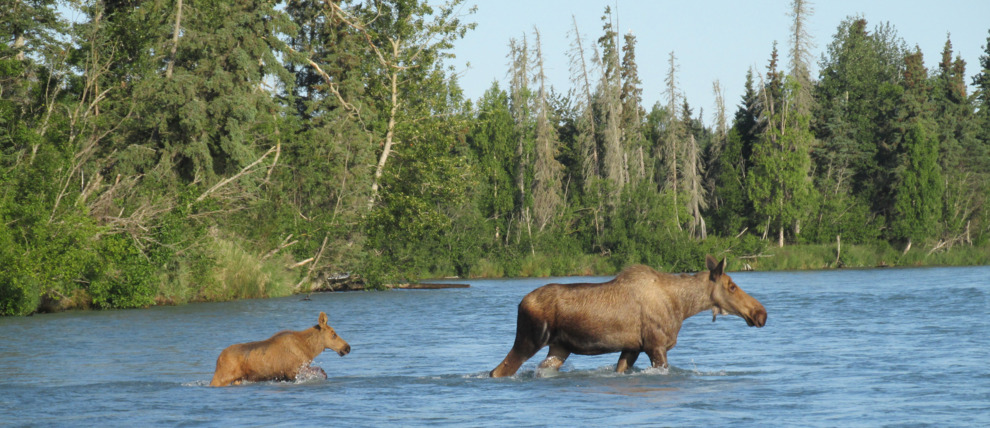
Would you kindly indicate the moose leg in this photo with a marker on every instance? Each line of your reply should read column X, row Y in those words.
column 626, row 361
column 526, row 345
column 658, row 357
column 531, row 336
column 516, row 357
column 555, row 358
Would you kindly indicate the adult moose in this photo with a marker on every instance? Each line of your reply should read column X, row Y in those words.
column 280, row 357
column 640, row 310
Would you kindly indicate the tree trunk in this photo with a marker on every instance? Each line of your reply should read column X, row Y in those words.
column 838, row 249
column 19, row 42
column 175, row 38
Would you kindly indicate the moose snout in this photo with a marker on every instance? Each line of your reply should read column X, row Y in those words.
column 759, row 318
column 345, row 350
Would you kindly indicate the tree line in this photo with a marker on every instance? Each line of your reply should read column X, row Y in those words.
column 166, row 151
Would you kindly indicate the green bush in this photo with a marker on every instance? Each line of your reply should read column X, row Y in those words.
column 126, row 278
column 19, row 290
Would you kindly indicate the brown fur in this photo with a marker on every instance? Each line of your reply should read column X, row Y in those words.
column 279, row 357
column 641, row 310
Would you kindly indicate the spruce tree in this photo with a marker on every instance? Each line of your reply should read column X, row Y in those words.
column 962, row 159
column 671, row 144
column 981, row 83
column 858, row 95
column 800, row 52
column 610, row 108
column 491, row 138
column 581, row 77
column 631, row 98
column 547, row 171
column 520, row 108
column 585, row 137
column 917, row 203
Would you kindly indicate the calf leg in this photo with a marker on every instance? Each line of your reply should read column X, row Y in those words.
column 224, row 377
column 227, row 371
column 626, row 361
column 555, row 358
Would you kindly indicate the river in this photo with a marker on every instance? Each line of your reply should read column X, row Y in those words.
column 841, row 348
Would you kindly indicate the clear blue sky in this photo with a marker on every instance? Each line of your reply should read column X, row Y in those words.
column 714, row 39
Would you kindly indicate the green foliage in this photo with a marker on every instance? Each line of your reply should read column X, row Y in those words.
column 241, row 159
column 423, row 193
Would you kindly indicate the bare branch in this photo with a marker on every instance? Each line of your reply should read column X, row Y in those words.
column 235, row 176
column 316, row 260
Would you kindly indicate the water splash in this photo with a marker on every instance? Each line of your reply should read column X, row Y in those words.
column 310, row 374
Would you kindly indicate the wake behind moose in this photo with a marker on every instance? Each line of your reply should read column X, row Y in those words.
column 640, row 310
column 283, row 356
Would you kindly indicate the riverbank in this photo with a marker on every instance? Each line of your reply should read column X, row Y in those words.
column 264, row 280
column 789, row 257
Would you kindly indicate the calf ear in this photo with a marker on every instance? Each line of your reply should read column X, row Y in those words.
column 323, row 319
column 710, row 262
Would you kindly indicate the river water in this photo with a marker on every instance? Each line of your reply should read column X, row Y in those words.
column 841, row 348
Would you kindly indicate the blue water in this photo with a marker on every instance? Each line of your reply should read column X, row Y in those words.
column 841, row 348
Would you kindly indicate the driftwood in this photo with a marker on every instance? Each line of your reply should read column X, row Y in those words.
column 429, row 286
column 356, row 283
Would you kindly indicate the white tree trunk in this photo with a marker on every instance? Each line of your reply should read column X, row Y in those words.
column 389, row 134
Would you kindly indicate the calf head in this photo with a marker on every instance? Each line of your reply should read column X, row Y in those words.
column 330, row 338
column 729, row 299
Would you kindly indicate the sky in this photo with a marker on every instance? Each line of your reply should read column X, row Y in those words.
column 711, row 39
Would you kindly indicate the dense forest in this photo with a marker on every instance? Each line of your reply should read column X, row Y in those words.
column 167, row 151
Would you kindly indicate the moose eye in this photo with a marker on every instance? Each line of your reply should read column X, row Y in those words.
column 732, row 288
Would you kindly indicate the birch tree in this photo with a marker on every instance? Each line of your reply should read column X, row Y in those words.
column 778, row 183
column 407, row 40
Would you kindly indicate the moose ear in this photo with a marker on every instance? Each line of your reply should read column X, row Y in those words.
column 323, row 319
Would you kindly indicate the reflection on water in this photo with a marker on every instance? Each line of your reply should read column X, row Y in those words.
column 871, row 347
